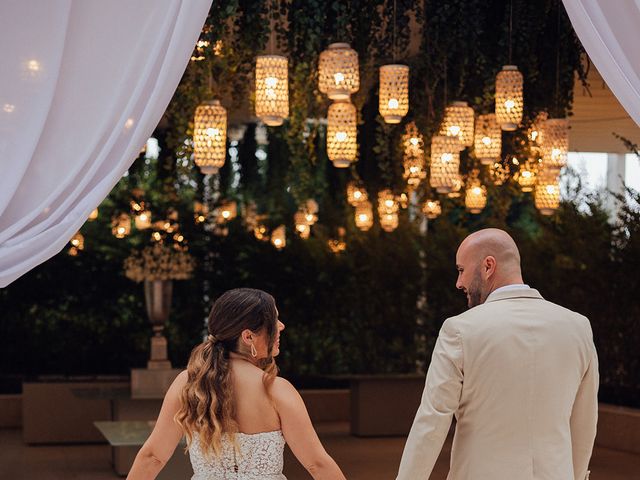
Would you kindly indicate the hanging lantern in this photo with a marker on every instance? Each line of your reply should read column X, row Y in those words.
column 143, row 220
column 200, row 212
column 458, row 122
column 389, row 221
column 338, row 73
column 341, row 134
column 414, row 159
column 445, row 162
column 121, row 225
column 227, row 211
column 210, row 136
column 364, row 215
column 93, row 215
column 310, row 210
column 526, row 176
column 355, row 193
column 456, row 187
column 488, row 139
column 394, row 92
column 536, row 132
column 272, row 89
column 260, row 232
column 387, row 202
column 476, row 197
column 279, row 238
column 77, row 244
column 556, row 143
column 432, row 209
column 547, row 192
column 509, row 98
column 303, row 227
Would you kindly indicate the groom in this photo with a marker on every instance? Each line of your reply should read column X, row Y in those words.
column 519, row 373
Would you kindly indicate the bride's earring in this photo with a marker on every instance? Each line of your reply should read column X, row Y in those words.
column 254, row 352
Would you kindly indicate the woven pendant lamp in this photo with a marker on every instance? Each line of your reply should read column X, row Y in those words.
column 509, row 98
column 338, row 71
column 458, row 122
column 394, row 92
column 272, row 89
column 210, row 136
column 488, row 139
column 342, row 134
column 445, row 162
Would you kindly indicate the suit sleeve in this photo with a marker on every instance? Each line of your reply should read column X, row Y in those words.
column 584, row 416
column 440, row 400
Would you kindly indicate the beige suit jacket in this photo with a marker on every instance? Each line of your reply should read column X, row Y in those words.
column 520, row 374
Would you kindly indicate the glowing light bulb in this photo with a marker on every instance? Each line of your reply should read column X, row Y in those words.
column 509, row 104
column 454, row 130
column 357, row 194
column 414, row 141
column 341, row 136
column 338, row 77
column 526, row 174
column 534, row 135
column 271, row 82
column 363, row 217
column 486, row 141
column 226, row 213
column 477, row 190
column 550, row 189
column 446, row 157
column 271, row 93
column 212, row 132
column 555, row 153
column 393, row 103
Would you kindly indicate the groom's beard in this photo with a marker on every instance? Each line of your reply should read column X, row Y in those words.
column 475, row 292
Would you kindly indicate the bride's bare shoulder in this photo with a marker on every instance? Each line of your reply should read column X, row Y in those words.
column 284, row 392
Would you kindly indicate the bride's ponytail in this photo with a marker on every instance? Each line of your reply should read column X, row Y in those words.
column 207, row 405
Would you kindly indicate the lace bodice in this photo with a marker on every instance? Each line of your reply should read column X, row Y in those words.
column 260, row 458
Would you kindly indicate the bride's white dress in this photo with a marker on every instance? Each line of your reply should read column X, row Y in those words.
column 260, row 457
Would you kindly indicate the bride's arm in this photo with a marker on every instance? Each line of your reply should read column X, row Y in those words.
column 300, row 434
column 159, row 447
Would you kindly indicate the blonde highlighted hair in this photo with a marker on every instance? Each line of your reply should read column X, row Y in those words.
column 207, row 404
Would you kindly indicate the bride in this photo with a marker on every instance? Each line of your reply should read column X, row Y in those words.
column 235, row 411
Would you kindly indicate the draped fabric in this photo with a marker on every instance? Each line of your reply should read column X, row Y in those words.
column 82, row 86
column 608, row 30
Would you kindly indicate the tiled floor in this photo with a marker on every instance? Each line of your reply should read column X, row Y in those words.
column 360, row 459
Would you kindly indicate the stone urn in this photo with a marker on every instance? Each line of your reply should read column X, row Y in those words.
column 157, row 296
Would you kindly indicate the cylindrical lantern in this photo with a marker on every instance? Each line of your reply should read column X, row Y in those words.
column 227, row 211
column 338, row 73
column 445, row 162
column 143, row 220
column 93, row 215
column 394, row 92
column 389, row 221
column 341, row 134
column 387, row 202
column 432, row 209
column 536, row 131
column 356, row 193
column 279, row 238
column 488, row 139
column 272, row 89
column 556, row 143
column 303, row 226
column 527, row 176
column 509, row 98
column 210, row 136
column 476, row 197
column 364, row 215
column 121, row 225
column 547, row 193
column 458, row 122
column 414, row 158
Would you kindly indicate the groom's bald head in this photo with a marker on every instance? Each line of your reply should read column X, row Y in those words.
column 486, row 260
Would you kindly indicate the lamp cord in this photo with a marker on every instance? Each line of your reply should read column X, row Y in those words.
column 510, row 28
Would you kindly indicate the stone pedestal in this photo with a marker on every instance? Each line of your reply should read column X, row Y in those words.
column 159, row 359
column 151, row 383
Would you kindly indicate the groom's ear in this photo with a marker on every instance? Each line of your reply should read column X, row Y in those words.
column 489, row 266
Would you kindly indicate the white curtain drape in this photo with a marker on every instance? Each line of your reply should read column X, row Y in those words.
column 82, row 86
column 609, row 31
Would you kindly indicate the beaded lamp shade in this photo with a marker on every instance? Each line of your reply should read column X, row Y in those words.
column 387, row 202
column 364, row 215
column 210, row 136
column 556, row 143
column 227, row 211
column 338, row 74
column 303, row 228
column 456, row 187
column 341, row 134
column 527, row 176
column 394, row 92
column 445, row 162
column 389, row 221
column 509, row 97
column 458, row 122
column 272, row 89
column 356, row 193
column 432, row 209
column 476, row 197
column 414, row 156
column 143, row 220
column 278, row 237
column 488, row 139
column 547, row 192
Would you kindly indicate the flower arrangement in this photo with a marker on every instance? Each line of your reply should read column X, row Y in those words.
column 159, row 262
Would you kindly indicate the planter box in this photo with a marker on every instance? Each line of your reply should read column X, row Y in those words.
column 384, row 405
column 10, row 411
column 618, row 428
column 327, row 405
